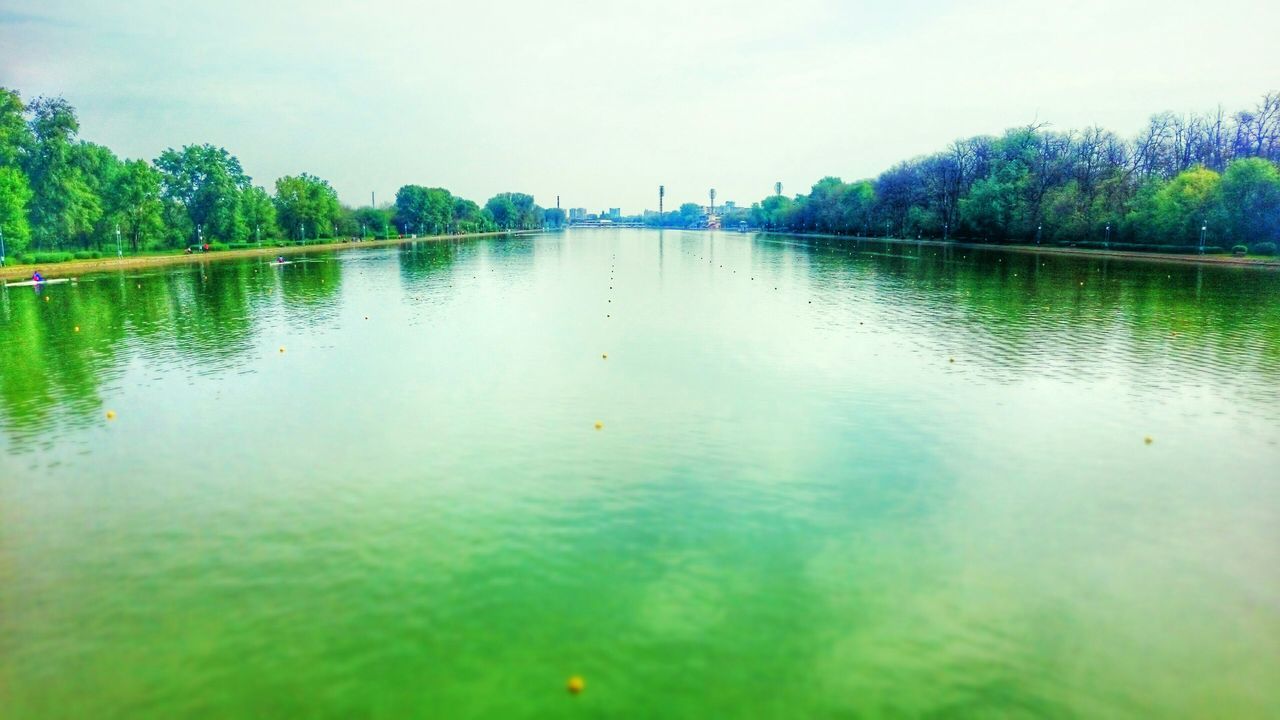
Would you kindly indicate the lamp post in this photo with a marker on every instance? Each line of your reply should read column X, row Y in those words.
column 1, row 246
column 257, row 234
column 1106, row 243
column 1039, row 231
column 119, row 249
column 302, row 234
column 945, row 228
column 1204, row 229
column 200, row 236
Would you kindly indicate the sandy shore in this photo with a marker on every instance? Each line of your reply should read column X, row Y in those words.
column 76, row 268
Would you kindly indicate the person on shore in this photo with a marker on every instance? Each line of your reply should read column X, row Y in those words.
column 37, row 277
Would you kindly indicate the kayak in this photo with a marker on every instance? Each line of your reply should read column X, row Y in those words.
column 34, row 283
column 286, row 262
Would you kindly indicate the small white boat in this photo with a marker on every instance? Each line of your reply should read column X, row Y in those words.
column 34, row 283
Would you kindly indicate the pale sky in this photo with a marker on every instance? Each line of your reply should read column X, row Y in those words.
column 600, row 102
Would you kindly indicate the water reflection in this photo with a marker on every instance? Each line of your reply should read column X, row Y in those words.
column 1005, row 315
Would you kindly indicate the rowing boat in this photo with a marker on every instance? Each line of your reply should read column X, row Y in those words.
column 35, row 283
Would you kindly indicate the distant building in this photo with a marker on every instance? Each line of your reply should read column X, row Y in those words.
column 577, row 214
column 615, row 213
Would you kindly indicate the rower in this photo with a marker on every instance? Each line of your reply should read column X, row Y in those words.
column 36, row 277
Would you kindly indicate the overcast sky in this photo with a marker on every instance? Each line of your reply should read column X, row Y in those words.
column 600, row 102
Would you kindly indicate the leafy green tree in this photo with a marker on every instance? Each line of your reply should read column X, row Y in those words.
column 15, row 136
column 63, row 206
column 1171, row 213
column 373, row 222
column 134, row 204
column 423, row 210
column 468, row 217
column 204, row 184
column 98, row 168
column 259, row 214
column 504, row 211
column 774, row 212
column 15, row 193
column 306, row 206
column 1248, row 202
column 515, row 211
column 690, row 214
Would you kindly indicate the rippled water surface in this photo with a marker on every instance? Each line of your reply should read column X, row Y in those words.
column 833, row 479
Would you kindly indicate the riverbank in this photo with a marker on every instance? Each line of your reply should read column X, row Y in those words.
column 1248, row 261
column 76, row 268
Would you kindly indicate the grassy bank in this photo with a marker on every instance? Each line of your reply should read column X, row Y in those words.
column 76, row 268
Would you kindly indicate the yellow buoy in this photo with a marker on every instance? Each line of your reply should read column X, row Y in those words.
column 1148, row 440
column 111, row 414
column 281, row 348
column 46, row 298
column 605, row 356
column 77, row 328
column 576, row 685
column 952, row 360
column 599, row 425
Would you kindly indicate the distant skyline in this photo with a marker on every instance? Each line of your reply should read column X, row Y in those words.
column 601, row 103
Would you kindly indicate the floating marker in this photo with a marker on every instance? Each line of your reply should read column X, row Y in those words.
column 1148, row 440
column 576, row 685
column 952, row 360
column 111, row 414
column 599, row 425
column 77, row 328
column 605, row 356
column 281, row 348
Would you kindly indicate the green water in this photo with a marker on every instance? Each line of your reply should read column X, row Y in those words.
column 798, row 506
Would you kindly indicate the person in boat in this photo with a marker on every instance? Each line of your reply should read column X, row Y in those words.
column 37, row 277
column 279, row 259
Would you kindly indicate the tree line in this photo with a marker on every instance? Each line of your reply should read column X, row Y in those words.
column 60, row 194
column 1183, row 179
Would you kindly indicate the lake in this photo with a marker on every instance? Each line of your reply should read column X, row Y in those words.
column 831, row 478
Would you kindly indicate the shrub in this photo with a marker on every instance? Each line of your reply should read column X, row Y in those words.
column 217, row 246
column 1263, row 248
column 46, row 258
column 1239, row 249
column 88, row 255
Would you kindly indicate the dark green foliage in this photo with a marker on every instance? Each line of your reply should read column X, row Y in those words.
column 45, row 258
column 1263, row 248
column 514, row 211
column 1182, row 182
column 306, row 207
